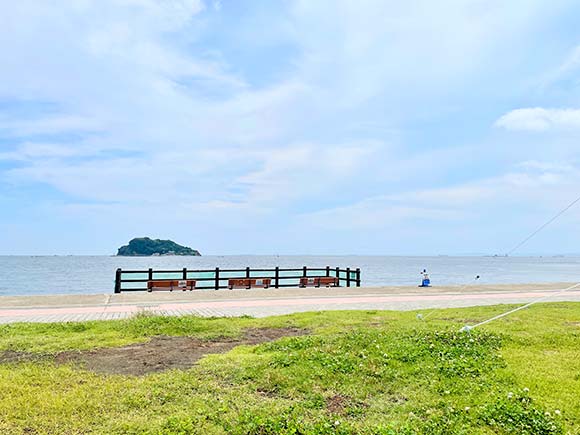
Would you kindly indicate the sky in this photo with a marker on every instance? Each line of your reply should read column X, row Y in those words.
column 289, row 126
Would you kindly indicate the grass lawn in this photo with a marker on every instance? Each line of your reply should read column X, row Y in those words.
column 353, row 372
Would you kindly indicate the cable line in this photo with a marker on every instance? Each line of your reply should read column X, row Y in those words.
column 560, row 213
column 468, row 328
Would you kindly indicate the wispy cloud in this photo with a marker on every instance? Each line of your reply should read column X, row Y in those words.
column 279, row 115
column 540, row 119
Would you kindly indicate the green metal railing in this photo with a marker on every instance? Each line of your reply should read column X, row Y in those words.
column 215, row 279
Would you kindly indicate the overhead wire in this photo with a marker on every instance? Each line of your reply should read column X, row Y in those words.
column 541, row 227
column 468, row 328
column 507, row 313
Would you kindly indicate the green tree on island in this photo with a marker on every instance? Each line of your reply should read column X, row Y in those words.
column 143, row 246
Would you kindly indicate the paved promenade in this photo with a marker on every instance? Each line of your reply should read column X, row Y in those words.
column 261, row 303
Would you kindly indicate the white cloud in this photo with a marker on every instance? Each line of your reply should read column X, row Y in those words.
column 572, row 62
column 565, row 74
column 186, row 177
column 52, row 125
column 32, row 151
column 403, row 50
column 543, row 186
column 540, row 119
column 305, row 170
column 555, row 167
column 153, row 115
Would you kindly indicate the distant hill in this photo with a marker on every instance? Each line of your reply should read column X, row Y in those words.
column 144, row 246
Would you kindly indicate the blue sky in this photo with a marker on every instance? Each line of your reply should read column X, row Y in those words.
column 289, row 127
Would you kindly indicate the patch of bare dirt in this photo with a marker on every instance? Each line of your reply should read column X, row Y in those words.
column 270, row 393
column 11, row 356
column 344, row 405
column 399, row 400
column 156, row 355
column 337, row 404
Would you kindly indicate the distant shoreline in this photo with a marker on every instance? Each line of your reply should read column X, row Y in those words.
column 44, row 275
column 306, row 255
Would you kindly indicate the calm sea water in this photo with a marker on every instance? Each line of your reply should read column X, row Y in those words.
column 20, row 275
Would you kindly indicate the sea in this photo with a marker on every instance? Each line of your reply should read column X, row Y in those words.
column 46, row 275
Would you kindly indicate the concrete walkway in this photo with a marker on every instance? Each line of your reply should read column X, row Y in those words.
column 262, row 303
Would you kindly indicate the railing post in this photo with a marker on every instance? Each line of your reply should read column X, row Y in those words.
column 247, row 272
column 327, row 270
column 337, row 270
column 358, row 277
column 184, row 273
column 304, row 271
column 118, row 281
column 217, row 278
column 276, row 277
column 150, row 274
column 348, row 276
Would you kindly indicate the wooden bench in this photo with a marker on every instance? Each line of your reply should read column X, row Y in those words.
column 248, row 283
column 171, row 284
column 319, row 281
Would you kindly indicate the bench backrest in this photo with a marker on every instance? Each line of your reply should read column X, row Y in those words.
column 318, row 281
column 304, row 281
column 249, row 282
column 171, row 284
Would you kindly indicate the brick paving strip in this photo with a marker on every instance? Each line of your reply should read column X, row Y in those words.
column 262, row 303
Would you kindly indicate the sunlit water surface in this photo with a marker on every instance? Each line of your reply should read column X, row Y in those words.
column 22, row 275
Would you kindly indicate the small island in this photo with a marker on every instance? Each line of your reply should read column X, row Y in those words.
column 144, row 246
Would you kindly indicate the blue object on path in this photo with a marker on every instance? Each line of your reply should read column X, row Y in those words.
column 426, row 282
